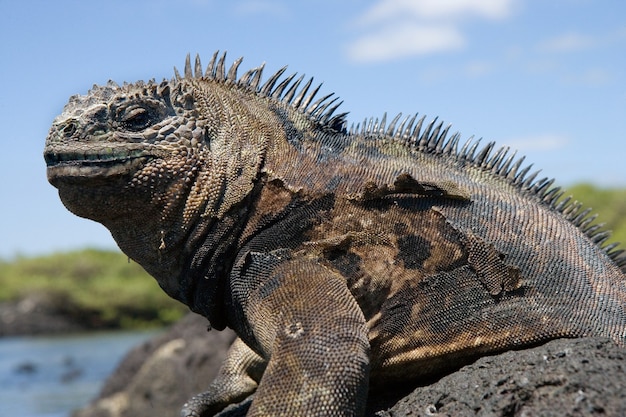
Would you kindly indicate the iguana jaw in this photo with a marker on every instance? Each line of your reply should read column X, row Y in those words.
column 73, row 166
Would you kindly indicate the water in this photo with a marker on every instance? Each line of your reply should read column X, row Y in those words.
column 51, row 376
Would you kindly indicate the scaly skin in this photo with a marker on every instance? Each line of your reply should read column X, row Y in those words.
column 342, row 259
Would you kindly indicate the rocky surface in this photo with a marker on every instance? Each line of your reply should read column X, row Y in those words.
column 158, row 376
column 578, row 377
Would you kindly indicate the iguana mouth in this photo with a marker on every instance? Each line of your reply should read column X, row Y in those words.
column 74, row 166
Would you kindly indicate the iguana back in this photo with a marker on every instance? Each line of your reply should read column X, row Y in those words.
column 341, row 258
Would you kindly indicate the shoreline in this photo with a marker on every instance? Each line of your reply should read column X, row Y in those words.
column 36, row 315
column 40, row 314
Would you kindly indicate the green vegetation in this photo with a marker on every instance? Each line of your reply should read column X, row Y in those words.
column 101, row 289
column 104, row 289
column 609, row 204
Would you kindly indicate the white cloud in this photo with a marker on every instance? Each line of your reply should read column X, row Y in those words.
column 540, row 142
column 437, row 9
column 398, row 28
column 405, row 40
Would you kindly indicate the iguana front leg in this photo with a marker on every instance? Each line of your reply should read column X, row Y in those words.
column 315, row 335
column 236, row 380
column 309, row 326
column 306, row 322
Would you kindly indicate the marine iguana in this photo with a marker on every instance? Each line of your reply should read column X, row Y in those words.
column 344, row 259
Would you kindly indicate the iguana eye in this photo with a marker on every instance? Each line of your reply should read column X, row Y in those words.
column 139, row 117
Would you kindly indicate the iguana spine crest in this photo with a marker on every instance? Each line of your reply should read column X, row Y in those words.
column 431, row 139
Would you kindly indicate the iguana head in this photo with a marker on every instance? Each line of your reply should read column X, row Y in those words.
column 112, row 133
column 165, row 165
column 158, row 163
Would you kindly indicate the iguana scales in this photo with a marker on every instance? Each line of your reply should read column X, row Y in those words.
column 344, row 259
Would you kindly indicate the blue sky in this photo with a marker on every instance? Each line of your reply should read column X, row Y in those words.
column 546, row 77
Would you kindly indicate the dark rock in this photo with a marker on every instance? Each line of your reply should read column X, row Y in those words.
column 579, row 377
column 158, row 376
column 566, row 377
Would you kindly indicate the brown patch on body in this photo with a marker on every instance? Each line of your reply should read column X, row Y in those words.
column 427, row 289
column 380, row 247
column 406, row 184
column 489, row 265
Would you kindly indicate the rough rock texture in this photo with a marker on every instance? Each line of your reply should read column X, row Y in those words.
column 576, row 377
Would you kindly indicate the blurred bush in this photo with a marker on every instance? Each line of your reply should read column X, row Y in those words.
column 103, row 288
column 609, row 204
